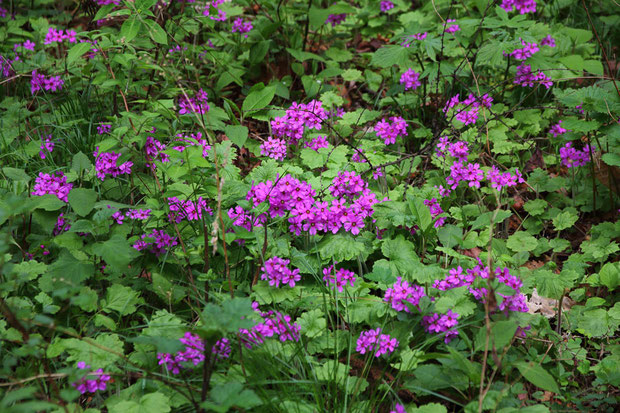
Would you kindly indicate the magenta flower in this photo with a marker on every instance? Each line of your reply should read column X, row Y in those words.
column 410, row 79
column 389, row 132
column 572, row 157
column 437, row 323
column 557, row 129
column 239, row 26
column 548, row 41
column 523, row 6
column 274, row 148
column 275, row 270
column 86, row 385
column 336, row 19
column 386, row 5
column 373, row 340
column 52, row 184
column 401, row 294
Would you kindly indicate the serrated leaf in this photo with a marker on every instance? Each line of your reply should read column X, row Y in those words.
column 535, row 207
column 149, row 403
column 341, row 247
column 521, row 241
column 116, row 251
column 121, row 299
column 564, row 220
column 16, row 174
column 156, row 32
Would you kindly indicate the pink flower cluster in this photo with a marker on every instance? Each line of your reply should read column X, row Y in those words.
column 526, row 78
column 192, row 140
column 399, row 408
column 85, row 385
column 409, row 39
column 276, row 271
column 459, row 278
column 47, row 146
column 500, row 180
column 133, row 214
column 410, row 79
column 194, row 353
column 528, row 50
column 335, row 19
column 27, row 45
column 557, row 129
column 5, row 66
column 452, row 28
column 239, row 26
column 50, row 83
column 213, row 11
column 458, row 149
column 401, row 293
column 157, row 242
column 298, row 117
column 339, row 279
column 436, row 323
column 197, row 104
column 59, row 36
column 291, row 196
column 274, row 324
column 572, row 157
column 389, row 132
column 435, row 209
column 468, row 113
column 104, row 128
column 373, row 340
column 192, row 211
column 52, row 184
column 317, row 143
column 61, row 225
column 274, row 148
column 523, row 6
column 548, row 41
column 105, row 164
column 154, row 151
column 386, row 5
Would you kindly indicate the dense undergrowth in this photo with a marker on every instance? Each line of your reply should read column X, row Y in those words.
column 307, row 206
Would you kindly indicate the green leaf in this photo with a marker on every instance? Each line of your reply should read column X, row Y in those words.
column 229, row 317
column 341, row 247
column 609, row 275
column 484, row 220
column 421, row 213
column 391, row 55
column 312, row 323
column 593, row 66
column 16, row 174
column 99, row 353
column 82, row 200
column 351, row 75
column 402, row 256
column 156, row 32
column 80, row 162
column 535, row 207
column 149, row 403
column 238, row 134
column 258, row 99
column 225, row 396
column 521, row 241
column 116, row 251
column 302, row 56
column 450, row 235
column 551, row 285
column 594, row 323
column 130, row 28
column 77, row 51
column 564, row 220
column 611, row 159
column 538, row 376
column 121, row 299
column 65, row 273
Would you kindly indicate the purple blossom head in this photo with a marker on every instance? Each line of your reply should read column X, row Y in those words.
column 239, row 26
column 274, row 148
column 335, row 19
column 373, row 340
column 557, row 129
column 410, row 79
column 55, row 184
column 400, row 294
column 389, row 132
column 276, row 271
column 523, row 6
column 386, row 5
column 548, row 41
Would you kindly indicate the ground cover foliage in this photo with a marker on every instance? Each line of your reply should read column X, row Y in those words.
column 309, row 206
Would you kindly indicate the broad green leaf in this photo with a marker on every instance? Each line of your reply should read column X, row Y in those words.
column 484, row 220
column 100, row 352
column 238, row 134
column 225, row 396
column 609, row 275
column 421, row 213
column 80, row 163
column 156, row 32
column 16, row 174
column 351, row 75
column 535, row 207
column 564, row 220
column 302, row 56
column 391, row 55
column 312, row 323
column 121, row 299
column 116, row 251
column 258, row 99
column 341, row 247
column 130, row 28
column 82, row 200
column 538, row 376
column 77, row 51
column 450, row 235
column 149, row 403
column 521, row 241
